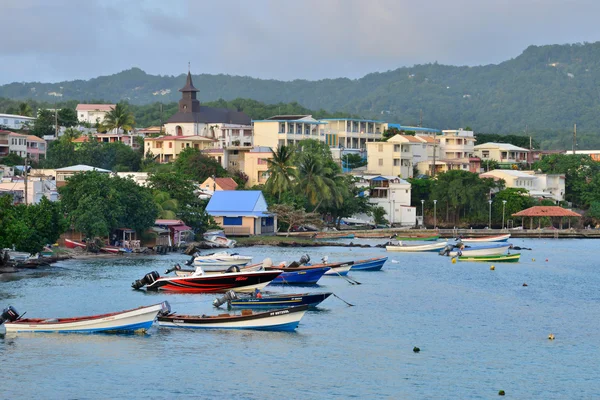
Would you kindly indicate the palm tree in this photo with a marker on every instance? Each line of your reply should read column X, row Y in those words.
column 315, row 182
column 119, row 117
column 280, row 171
column 167, row 206
column 25, row 110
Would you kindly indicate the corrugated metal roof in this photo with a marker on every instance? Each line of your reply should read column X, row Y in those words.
column 237, row 202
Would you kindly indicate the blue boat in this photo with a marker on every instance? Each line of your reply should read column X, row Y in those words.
column 279, row 300
column 303, row 277
column 371, row 264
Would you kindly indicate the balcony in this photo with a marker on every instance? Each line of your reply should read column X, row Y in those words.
column 4, row 142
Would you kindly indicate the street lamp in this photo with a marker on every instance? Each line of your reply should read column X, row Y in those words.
column 422, row 212
column 434, row 214
column 490, row 219
column 503, row 208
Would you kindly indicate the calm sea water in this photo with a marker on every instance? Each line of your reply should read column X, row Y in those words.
column 479, row 331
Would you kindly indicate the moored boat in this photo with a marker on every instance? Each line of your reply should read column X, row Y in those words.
column 303, row 277
column 340, row 269
column 332, row 235
column 492, row 258
column 409, row 248
column 286, row 319
column 71, row 244
column 135, row 320
column 371, row 264
column 418, row 237
column 200, row 282
column 219, row 261
column 218, row 239
column 112, row 249
column 485, row 239
column 488, row 249
column 278, row 300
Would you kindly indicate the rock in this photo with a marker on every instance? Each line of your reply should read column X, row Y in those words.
column 416, row 349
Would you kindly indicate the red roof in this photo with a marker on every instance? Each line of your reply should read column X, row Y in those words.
column 546, row 211
column 226, row 183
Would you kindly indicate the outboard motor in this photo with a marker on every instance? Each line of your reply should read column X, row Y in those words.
column 227, row 297
column 9, row 314
column 176, row 267
column 305, row 259
column 446, row 250
column 233, row 268
column 148, row 279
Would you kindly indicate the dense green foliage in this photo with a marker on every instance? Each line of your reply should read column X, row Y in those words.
column 543, row 91
column 119, row 118
column 30, row 227
column 197, row 166
column 97, row 203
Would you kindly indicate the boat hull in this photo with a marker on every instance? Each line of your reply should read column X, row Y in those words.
column 280, row 301
column 341, row 270
column 215, row 283
column 334, row 236
column 373, row 264
column 497, row 258
column 71, row 244
column 286, row 320
column 487, row 239
column 128, row 321
column 490, row 250
column 220, row 263
column 303, row 277
column 429, row 238
column 417, row 247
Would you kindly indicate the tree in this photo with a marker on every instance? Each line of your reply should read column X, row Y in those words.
column 44, row 123
column 352, row 201
column 67, row 117
column 61, row 153
column 167, row 207
column 390, row 133
column 353, row 161
column 313, row 180
column 25, row 109
column 119, row 118
column 281, row 171
column 12, row 159
column 378, row 214
column 517, row 199
column 294, row 216
column 198, row 166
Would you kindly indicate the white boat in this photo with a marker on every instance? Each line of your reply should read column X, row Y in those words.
column 485, row 239
column 340, row 270
column 482, row 250
column 408, row 248
column 277, row 320
column 218, row 239
column 220, row 261
column 134, row 320
column 17, row 255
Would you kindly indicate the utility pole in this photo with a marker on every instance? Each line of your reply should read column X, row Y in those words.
column 55, row 121
column 161, row 118
column 574, row 137
column 25, row 177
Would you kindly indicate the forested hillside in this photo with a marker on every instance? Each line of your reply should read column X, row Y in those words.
column 543, row 92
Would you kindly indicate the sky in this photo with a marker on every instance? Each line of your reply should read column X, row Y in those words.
column 52, row 41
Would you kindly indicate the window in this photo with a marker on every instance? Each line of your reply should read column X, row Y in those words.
column 396, row 148
column 396, row 162
column 381, row 162
column 81, row 115
column 380, row 148
column 485, row 154
column 282, row 127
column 170, row 145
column 232, row 221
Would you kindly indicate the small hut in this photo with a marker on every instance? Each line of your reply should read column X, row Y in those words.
column 551, row 212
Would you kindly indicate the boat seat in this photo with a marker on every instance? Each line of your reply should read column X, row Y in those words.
column 247, row 312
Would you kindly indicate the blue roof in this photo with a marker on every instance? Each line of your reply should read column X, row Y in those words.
column 237, row 203
column 290, row 120
column 413, row 128
column 352, row 119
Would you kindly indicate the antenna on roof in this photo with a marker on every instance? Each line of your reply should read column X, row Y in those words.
column 189, row 68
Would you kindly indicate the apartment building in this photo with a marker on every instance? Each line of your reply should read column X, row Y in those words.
column 504, row 153
column 281, row 130
column 353, row 134
column 393, row 158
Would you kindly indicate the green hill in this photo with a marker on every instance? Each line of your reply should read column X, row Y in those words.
column 545, row 90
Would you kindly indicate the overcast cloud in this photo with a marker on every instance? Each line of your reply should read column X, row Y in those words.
column 58, row 40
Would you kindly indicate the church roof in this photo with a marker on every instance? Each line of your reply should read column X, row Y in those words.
column 211, row 115
column 189, row 85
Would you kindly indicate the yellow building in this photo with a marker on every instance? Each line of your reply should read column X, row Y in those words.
column 392, row 158
column 256, row 166
column 167, row 148
column 287, row 129
column 351, row 133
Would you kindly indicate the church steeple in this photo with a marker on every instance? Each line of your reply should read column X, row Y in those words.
column 188, row 102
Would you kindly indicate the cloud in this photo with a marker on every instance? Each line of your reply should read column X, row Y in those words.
column 313, row 39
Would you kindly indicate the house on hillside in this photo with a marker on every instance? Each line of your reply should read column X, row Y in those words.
column 394, row 157
column 211, row 185
column 505, row 154
column 543, row 186
column 62, row 174
column 12, row 121
column 393, row 194
column 93, row 113
column 241, row 212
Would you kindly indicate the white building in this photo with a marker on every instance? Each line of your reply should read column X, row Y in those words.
column 13, row 143
column 391, row 193
column 547, row 186
column 352, row 134
column 503, row 153
column 93, row 113
column 453, row 149
column 36, row 189
column 11, row 121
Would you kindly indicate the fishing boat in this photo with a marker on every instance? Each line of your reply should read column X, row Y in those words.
column 334, row 235
column 72, row 244
column 409, row 248
column 219, row 261
column 113, row 249
column 303, row 277
column 135, row 320
column 489, row 249
column 485, row 239
column 278, row 300
column 418, row 237
column 286, row 319
column 338, row 270
column 493, row 258
column 371, row 264
column 374, row 235
column 218, row 239
column 200, row 282
column 16, row 255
